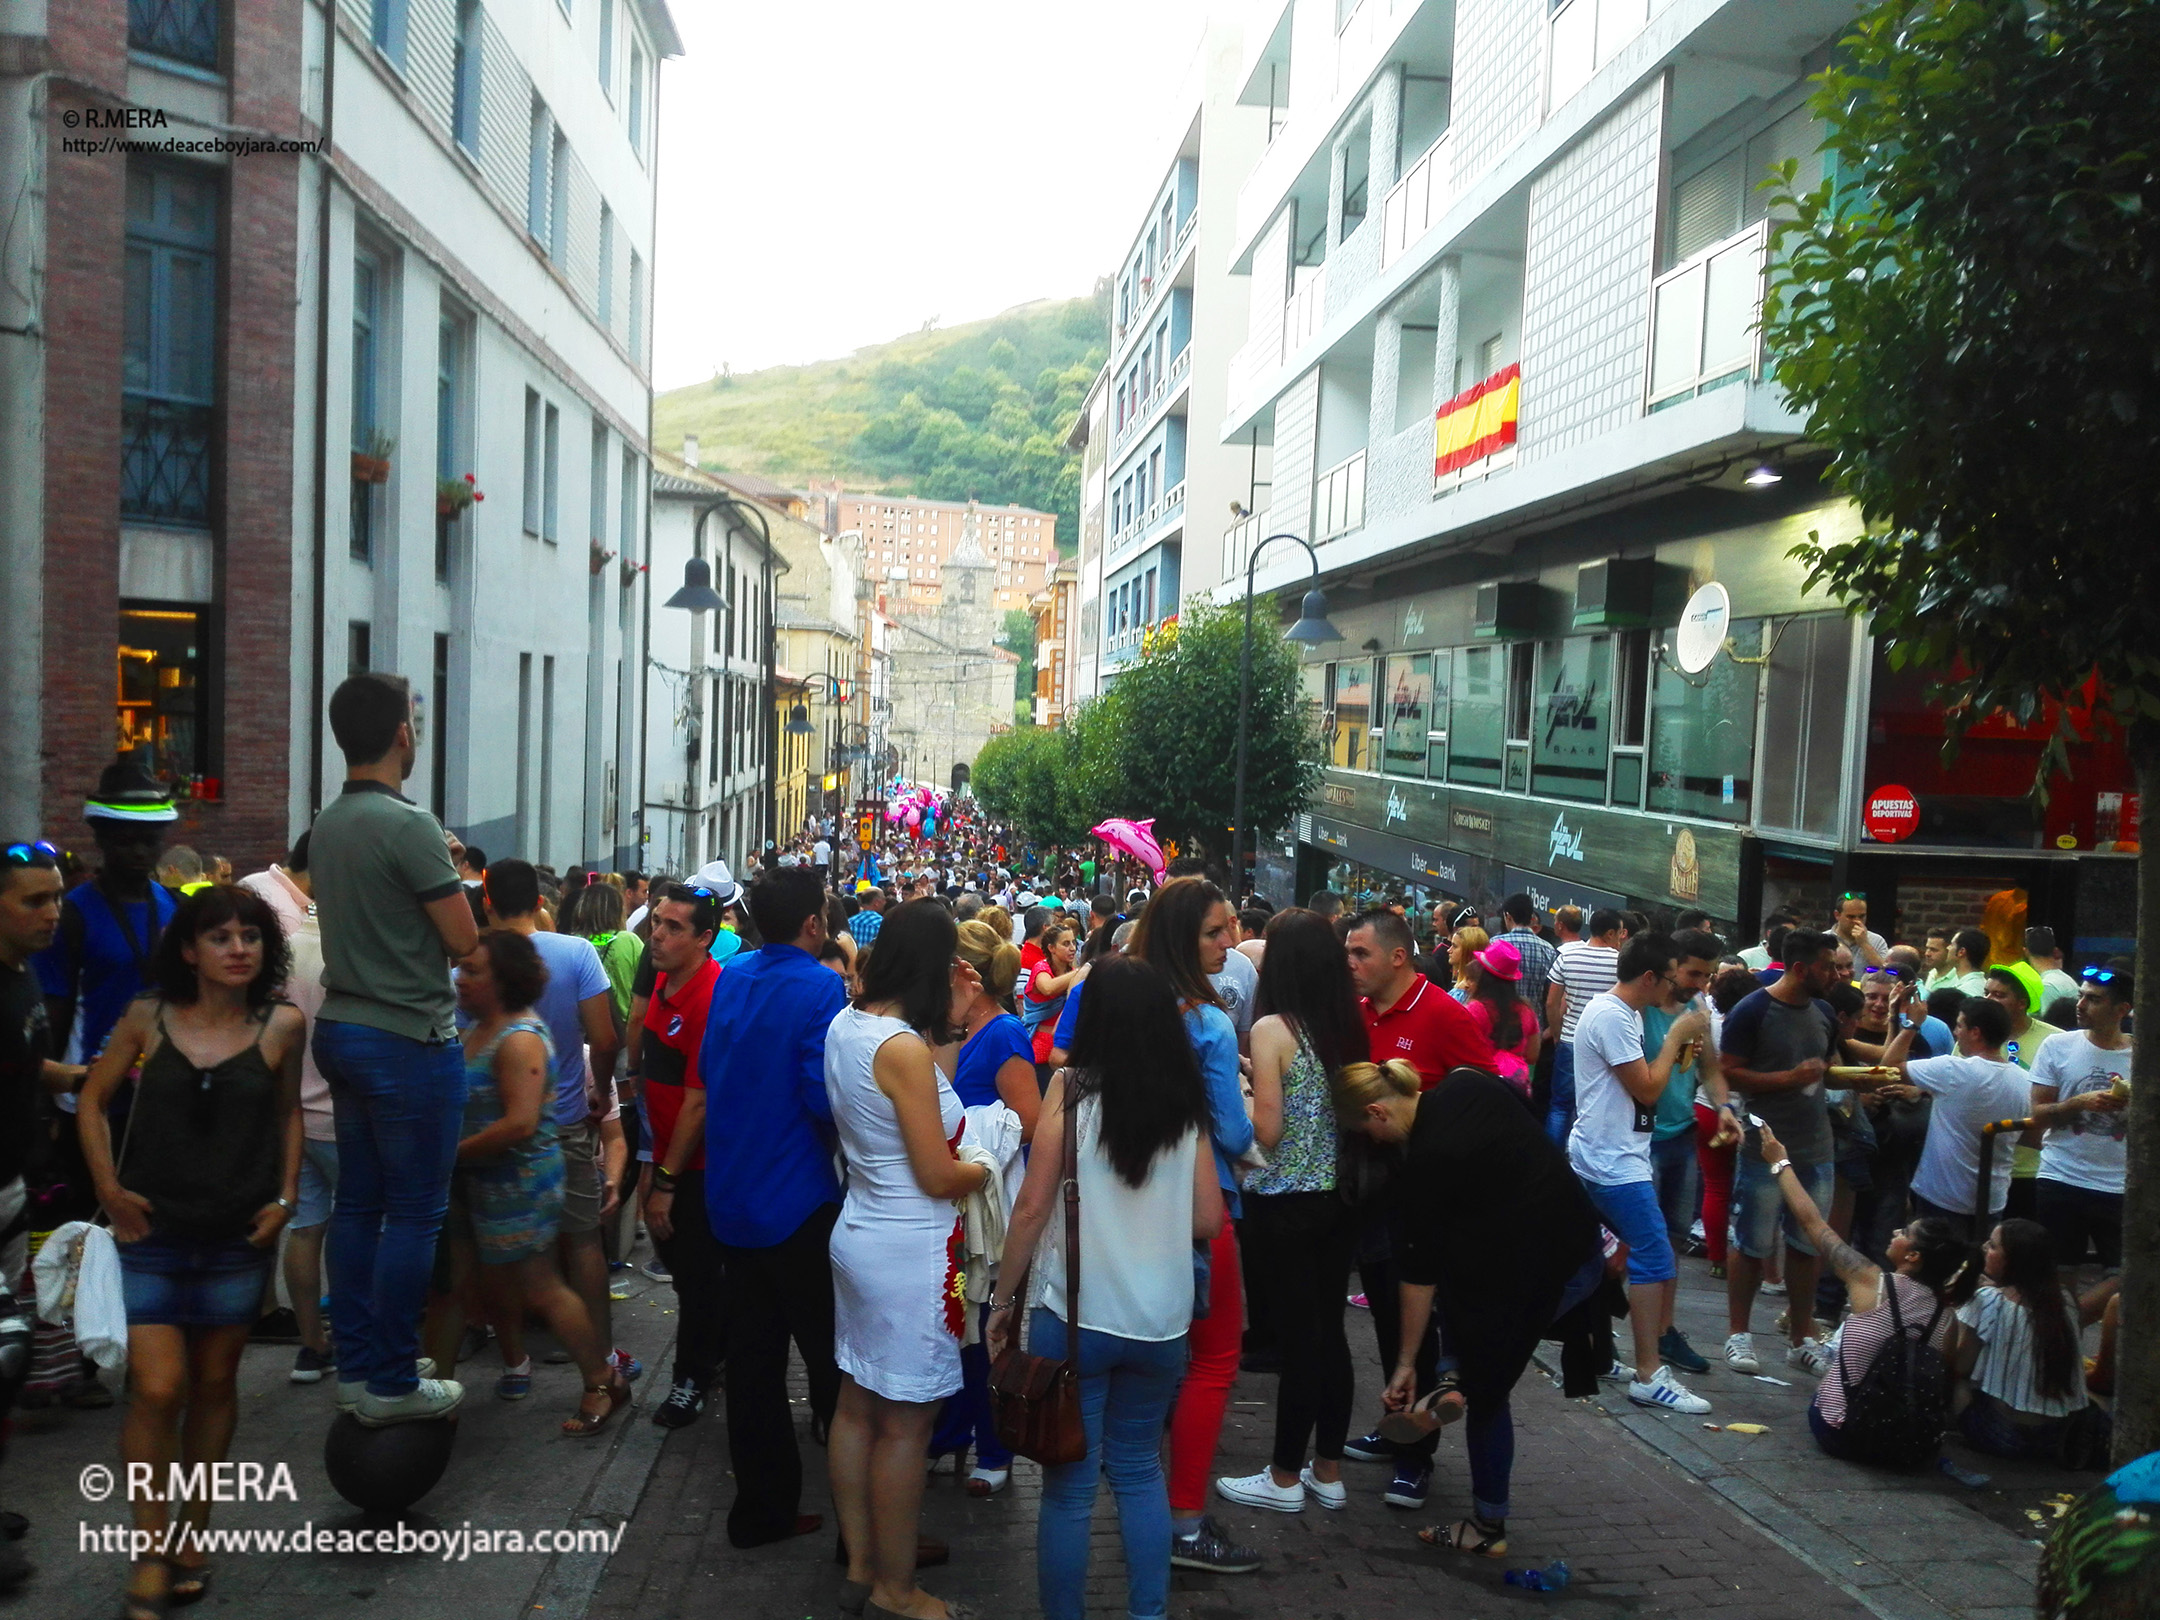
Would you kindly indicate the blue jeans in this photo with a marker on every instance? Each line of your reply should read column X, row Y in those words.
column 1560, row 1116
column 1126, row 1386
column 1489, row 1438
column 1672, row 1169
column 400, row 1110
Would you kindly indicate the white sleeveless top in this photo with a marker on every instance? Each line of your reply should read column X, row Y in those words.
column 1136, row 1260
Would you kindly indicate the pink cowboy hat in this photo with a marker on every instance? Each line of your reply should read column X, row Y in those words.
column 1500, row 959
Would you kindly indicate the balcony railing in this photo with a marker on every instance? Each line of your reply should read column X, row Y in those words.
column 1339, row 498
column 1166, row 505
column 1417, row 201
column 164, row 460
column 1704, row 316
column 184, row 30
column 1173, row 374
column 1307, row 309
column 1238, row 542
column 1586, row 34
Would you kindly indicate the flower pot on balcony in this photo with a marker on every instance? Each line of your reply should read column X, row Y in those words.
column 370, row 469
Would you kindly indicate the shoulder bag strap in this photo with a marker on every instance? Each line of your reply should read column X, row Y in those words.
column 1072, row 1232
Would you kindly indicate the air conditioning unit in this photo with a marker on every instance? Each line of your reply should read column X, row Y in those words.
column 1507, row 608
column 1615, row 593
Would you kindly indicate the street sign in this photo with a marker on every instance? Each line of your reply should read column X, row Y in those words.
column 1892, row 814
column 1702, row 629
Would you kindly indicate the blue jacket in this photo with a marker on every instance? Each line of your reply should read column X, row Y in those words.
column 768, row 1125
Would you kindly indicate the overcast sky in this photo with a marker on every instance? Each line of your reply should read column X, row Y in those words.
column 836, row 172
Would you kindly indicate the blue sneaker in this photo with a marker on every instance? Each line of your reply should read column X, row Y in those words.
column 626, row 1364
column 1407, row 1488
column 1374, row 1447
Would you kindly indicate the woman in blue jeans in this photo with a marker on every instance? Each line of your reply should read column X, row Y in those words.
column 1132, row 1091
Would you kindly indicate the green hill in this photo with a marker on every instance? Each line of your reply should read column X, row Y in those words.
column 979, row 410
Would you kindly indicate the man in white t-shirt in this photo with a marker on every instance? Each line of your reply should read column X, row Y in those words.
column 1583, row 969
column 1617, row 1090
column 2080, row 1089
column 821, row 858
column 1972, row 1089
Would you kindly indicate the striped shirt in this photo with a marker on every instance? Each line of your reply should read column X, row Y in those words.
column 1585, row 972
column 2009, row 1364
column 1865, row 1333
column 1537, row 953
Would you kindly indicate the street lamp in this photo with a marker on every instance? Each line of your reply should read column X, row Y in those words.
column 1311, row 629
column 798, row 721
column 697, row 594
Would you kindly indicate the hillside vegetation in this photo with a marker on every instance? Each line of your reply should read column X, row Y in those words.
column 978, row 411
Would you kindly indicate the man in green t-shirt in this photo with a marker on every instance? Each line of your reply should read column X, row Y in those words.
column 394, row 916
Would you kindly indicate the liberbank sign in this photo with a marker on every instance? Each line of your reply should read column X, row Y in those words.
column 1498, row 843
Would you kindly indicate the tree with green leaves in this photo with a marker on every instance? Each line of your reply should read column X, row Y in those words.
column 1030, row 779
column 1174, row 736
column 1968, row 311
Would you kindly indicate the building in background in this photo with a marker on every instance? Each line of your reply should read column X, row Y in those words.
column 710, row 729
column 794, row 761
column 264, row 384
column 1090, row 436
column 818, row 617
column 1506, row 265
column 1177, row 317
column 900, row 532
column 1055, row 610
column 950, row 684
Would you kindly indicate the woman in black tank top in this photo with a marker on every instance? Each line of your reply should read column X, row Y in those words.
column 203, row 1179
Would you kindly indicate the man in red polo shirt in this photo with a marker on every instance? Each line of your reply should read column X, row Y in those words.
column 1406, row 1014
column 684, row 923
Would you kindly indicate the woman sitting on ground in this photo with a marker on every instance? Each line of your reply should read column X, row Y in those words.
column 2017, row 1344
column 1932, row 1272
column 1497, row 1236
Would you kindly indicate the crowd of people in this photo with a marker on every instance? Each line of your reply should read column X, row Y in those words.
column 903, row 1121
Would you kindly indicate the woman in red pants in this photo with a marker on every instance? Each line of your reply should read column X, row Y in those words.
column 1185, row 933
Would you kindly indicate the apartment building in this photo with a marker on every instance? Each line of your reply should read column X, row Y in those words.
column 1089, row 438
column 1054, row 611
column 1177, row 316
column 900, row 532
column 344, row 399
column 1505, row 261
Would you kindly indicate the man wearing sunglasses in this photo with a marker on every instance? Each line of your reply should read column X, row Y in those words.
column 2080, row 1090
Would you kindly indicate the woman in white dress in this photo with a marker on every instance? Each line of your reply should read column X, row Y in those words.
column 897, row 1307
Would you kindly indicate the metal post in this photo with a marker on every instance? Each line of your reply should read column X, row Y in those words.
column 1244, row 705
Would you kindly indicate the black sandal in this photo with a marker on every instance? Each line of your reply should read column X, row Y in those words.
column 1443, row 1405
column 1473, row 1536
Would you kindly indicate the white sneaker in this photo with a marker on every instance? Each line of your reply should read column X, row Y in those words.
column 1811, row 1358
column 1260, row 1491
column 1740, row 1354
column 1776, row 1290
column 1667, row 1392
column 1333, row 1497
column 1618, row 1373
column 430, row 1398
column 348, row 1395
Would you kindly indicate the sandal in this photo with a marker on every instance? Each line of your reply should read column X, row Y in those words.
column 584, row 1424
column 1472, row 1536
column 1436, row 1410
column 141, row 1606
column 187, row 1583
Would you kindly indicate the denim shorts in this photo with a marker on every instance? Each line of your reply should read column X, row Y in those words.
column 1631, row 1209
column 318, row 1183
column 1758, row 1206
column 182, row 1282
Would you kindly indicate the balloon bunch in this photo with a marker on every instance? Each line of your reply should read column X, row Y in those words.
column 917, row 808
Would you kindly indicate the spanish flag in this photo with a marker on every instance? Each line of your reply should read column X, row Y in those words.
column 1477, row 421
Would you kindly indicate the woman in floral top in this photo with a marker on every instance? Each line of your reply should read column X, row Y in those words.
column 1300, row 1229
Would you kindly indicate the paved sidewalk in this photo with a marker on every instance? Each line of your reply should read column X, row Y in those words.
column 512, row 1469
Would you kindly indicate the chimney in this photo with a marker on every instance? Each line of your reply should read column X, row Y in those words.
column 689, row 449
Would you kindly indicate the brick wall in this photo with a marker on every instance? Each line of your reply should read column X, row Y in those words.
column 252, row 631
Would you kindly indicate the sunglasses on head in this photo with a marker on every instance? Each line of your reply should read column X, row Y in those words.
column 27, row 854
column 1853, row 894
column 1888, row 970
column 2099, row 975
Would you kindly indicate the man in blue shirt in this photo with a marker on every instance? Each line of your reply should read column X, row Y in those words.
column 770, row 1192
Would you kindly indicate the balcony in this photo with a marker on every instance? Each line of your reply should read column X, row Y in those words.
column 1307, row 309
column 1474, row 433
column 1339, row 498
column 1238, row 542
column 1174, row 373
column 1704, row 319
column 1417, row 201
column 1150, row 288
column 1586, row 34
column 1171, row 503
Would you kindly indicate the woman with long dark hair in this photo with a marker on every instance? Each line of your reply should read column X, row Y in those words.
column 2017, row 1343
column 898, row 1313
column 1300, row 1231
column 1133, row 1093
column 207, row 1175
column 1185, row 933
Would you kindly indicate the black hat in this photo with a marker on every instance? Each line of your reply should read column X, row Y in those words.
column 127, row 792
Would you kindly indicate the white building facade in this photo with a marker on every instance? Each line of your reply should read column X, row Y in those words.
column 476, row 289
column 1505, row 261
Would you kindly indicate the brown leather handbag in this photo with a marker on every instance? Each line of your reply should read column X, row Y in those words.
column 1036, row 1399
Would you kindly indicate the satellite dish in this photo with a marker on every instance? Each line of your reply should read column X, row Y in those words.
column 1702, row 629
